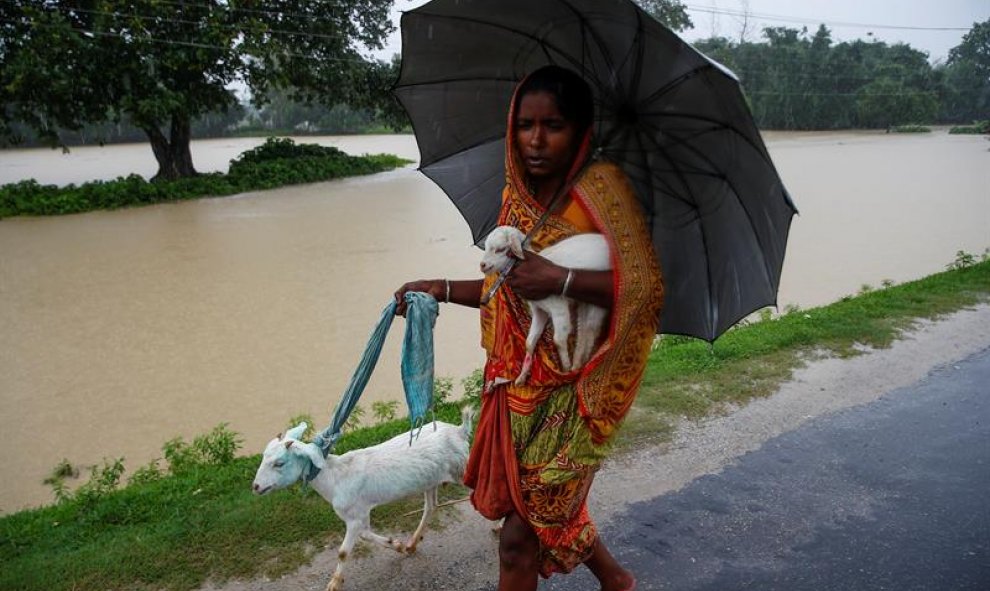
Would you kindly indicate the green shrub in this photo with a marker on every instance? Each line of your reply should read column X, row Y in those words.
column 276, row 163
column 910, row 129
column 978, row 127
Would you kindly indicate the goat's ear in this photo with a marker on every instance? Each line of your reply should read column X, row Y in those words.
column 297, row 431
column 278, row 437
column 515, row 245
column 313, row 452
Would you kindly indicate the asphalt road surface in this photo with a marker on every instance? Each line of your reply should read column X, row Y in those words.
column 893, row 495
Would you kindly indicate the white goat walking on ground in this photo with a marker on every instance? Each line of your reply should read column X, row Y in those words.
column 582, row 251
column 360, row 480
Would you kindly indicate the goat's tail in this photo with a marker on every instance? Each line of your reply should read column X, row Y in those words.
column 467, row 421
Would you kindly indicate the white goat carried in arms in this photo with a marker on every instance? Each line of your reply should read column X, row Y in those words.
column 360, row 480
column 582, row 251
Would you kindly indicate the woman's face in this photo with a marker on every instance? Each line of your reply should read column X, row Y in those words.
column 547, row 142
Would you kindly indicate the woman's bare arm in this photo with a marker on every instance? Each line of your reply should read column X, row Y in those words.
column 465, row 292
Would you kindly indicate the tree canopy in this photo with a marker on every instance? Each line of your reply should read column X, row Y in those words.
column 162, row 63
column 799, row 80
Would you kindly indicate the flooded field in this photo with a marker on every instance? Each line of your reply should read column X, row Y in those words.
column 120, row 330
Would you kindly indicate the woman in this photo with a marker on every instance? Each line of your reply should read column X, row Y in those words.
column 538, row 445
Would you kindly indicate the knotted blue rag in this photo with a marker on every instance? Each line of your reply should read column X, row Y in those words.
column 417, row 365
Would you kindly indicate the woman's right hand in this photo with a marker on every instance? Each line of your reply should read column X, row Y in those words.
column 435, row 287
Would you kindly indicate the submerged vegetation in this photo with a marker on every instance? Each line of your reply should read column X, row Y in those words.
column 191, row 516
column 276, row 163
column 977, row 128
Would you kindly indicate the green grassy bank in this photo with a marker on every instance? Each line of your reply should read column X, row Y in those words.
column 196, row 519
column 276, row 163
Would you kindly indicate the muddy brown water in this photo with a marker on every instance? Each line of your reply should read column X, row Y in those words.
column 120, row 330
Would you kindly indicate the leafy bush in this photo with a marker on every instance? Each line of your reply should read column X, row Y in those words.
column 384, row 411
column 473, row 386
column 276, row 163
column 978, row 127
column 910, row 129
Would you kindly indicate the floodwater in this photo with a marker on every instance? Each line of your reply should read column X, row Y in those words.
column 120, row 330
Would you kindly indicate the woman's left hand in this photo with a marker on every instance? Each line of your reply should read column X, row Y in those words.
column 535, row 278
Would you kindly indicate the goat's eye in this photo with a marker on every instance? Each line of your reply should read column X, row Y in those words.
column 278, row 463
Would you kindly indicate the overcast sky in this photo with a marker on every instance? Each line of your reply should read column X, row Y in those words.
column 847, row 19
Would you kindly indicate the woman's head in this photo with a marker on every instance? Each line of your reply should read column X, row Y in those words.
column 553, row 111
column 569, row 90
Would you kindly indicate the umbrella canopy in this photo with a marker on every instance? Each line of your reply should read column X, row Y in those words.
column 675, row 120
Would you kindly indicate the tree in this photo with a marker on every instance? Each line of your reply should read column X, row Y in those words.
column 669, row 12
column 163, row 63
column 966, row 77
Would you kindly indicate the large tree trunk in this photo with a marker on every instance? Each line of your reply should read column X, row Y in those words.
column 172, row 153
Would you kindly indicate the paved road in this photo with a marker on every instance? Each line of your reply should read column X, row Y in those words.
column 894, row 495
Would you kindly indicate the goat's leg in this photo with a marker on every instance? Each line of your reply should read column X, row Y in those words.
column 354, row 529
column 561, row 317
column 388, row 542
column 429, row 504
column 539, row 319
column 590, row 320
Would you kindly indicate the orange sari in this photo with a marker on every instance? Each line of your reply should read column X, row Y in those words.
column 539, row 445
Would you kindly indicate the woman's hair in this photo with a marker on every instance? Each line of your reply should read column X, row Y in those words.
column 573, row 95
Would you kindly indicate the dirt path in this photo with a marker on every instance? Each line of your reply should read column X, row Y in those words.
column 463, row 555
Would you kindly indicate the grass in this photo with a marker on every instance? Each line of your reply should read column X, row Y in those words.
column 177, row 531
column 686, row 378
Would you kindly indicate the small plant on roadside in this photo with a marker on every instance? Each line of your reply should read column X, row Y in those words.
column 865, row 289
column 354, row 421
column 384, row 411
column 887, row 283
column 56, row 480
column 473, row 385
column 214, row 448
column 102, row 481
column 150, row 472
column 303, row 417
column 963, row 259
column 442, row 389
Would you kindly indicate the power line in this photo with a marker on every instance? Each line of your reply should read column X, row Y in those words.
column 793, row 19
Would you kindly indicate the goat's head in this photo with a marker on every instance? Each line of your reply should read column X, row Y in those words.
column 503, row 244
column 285, row 461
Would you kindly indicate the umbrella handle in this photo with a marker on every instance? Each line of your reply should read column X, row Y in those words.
column 502, row 276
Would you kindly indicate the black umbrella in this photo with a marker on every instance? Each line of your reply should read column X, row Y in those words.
column 675, row 120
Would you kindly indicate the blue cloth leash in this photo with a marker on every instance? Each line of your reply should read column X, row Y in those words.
column 417, row 368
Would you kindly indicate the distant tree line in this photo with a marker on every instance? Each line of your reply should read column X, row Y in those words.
column 163, row 70
column 795, row 80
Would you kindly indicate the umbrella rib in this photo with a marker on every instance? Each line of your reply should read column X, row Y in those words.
column 742, row 204
column 541, row 42
column 762, row 152
column 449, row 80
column 677, row 82
column 477, row 144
